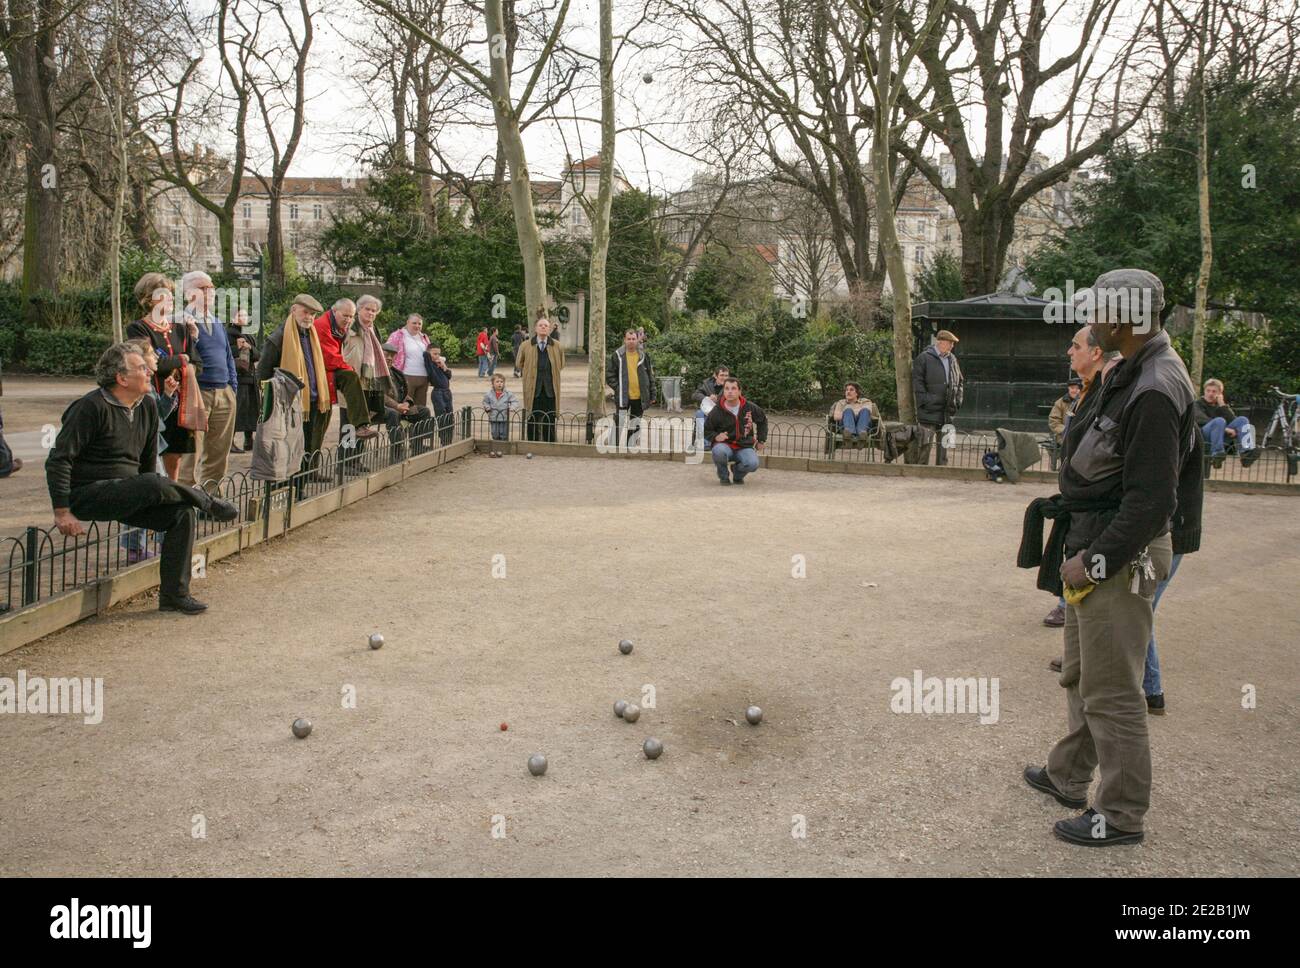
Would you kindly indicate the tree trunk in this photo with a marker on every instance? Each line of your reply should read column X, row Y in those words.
column 29, row 47
column 600, row 218
column 1203, row 200
column 521, row 188
column 887, row 228
column 275, row 237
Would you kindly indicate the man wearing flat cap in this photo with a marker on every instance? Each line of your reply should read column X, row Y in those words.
column 1130, row 499
column 295, row 347
column 938, row 388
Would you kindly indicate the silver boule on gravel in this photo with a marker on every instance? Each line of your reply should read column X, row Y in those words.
column 631, row 712
column 652, row 748
column 625, row 646
column 376, row 641
column 537, row 764
column 302, row 728
column 620, row 707
column 529, row 456
column 754, row 715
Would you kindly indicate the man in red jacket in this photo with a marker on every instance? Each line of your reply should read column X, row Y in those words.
column 331, row 327
column 481, row 350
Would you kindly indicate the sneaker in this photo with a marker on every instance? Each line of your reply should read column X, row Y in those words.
column 1083, row 830
column 1156, row 705
column 137, row 555
column 1036, row 777
column 1055, row 619
column 187, row 605
column 1216, row 461
column 1055, row 664
column 1250, row 457
column 725, row 481
column 739, row 480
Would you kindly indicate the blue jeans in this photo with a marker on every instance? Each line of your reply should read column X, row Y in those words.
column 1213, row 432
column 483, row 365
column 856, row 424
column 745, row 459
column 1151, row 683
column 500, row 428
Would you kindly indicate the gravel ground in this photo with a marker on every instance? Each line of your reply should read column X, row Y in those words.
column 901, row 574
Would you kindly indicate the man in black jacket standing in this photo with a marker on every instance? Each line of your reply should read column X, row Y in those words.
column 103, row 467
column 1130, row 499
column 937, row 387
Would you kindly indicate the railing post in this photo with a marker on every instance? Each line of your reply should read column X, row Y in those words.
column 465, row 413
column 591, row 427
column 31, row 565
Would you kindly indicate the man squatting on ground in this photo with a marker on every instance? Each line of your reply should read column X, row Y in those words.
column 1130, row 499
column 736, row 430
column 103, row 467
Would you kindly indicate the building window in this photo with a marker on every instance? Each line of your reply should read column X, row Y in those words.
column 248, row 210
column 316, row 211
column 176, row 236
column 293, row 213
column 579, row 216
column 293, row 240
column 207, row 241
column 918, row 255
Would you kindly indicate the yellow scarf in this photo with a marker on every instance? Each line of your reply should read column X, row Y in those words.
column 291, row 359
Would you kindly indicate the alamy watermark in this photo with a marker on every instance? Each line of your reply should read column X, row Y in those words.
column 953, row 696
column 1121, row 306
column 624, row 434
column 58, row 696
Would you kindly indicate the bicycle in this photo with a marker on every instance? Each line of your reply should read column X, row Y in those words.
column 1284, row 423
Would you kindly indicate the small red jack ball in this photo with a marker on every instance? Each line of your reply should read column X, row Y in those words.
column 504, row 727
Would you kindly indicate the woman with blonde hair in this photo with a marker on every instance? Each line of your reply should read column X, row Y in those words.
column 173, row 341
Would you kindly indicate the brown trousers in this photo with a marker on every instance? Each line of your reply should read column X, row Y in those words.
column 207, row 465
column 1106, row 638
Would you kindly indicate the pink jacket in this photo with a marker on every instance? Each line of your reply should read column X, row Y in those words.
column 398, row 342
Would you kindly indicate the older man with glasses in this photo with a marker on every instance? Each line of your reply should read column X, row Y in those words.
column 103, row 467
column 218, row 383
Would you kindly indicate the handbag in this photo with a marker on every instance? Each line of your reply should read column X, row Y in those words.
column 190, row 413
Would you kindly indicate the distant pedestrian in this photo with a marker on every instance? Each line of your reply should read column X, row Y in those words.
column 938, row 388
column 494, row 351
column 248, row 399
column 481, row 351
column 516, row 338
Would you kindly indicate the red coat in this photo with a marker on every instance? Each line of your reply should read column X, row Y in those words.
column 481, row 345
column 330, row 351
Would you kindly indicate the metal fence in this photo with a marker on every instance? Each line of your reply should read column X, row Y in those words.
column 42, row 562
column 809, row 439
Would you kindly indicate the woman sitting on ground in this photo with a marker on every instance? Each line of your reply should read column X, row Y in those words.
column 855, row 415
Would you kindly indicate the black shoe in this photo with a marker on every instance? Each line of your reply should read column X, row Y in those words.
column 725, row 481
column 1084, row 829
column 1036, row 777
column 187, row 605
column 1156, row 705
column 1217, row 460
column 1250, row 457
column 1055, row 619
column 221, row 510
column 738, row 480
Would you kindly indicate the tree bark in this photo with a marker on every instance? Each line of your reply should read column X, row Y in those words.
column 600, row 218
column 1203, row 204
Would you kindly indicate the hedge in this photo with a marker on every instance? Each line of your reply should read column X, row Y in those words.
column 65, row 352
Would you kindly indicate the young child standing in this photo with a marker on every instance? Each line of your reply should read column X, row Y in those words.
column 499, row 403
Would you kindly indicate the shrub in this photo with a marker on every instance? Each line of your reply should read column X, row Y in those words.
column 440, row 334
column 65, row 352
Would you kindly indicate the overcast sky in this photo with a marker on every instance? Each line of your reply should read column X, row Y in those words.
column 340, row 118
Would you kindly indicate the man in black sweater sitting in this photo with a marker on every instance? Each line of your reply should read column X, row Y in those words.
column 104, row 464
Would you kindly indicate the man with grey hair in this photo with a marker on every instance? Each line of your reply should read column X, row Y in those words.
column 365, row 357
column 103, row 467
column 1130, row 499
column 332, row 329
column 218, row 383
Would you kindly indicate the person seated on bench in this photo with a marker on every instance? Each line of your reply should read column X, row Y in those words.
column 1217, row 421
column 855, row 415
